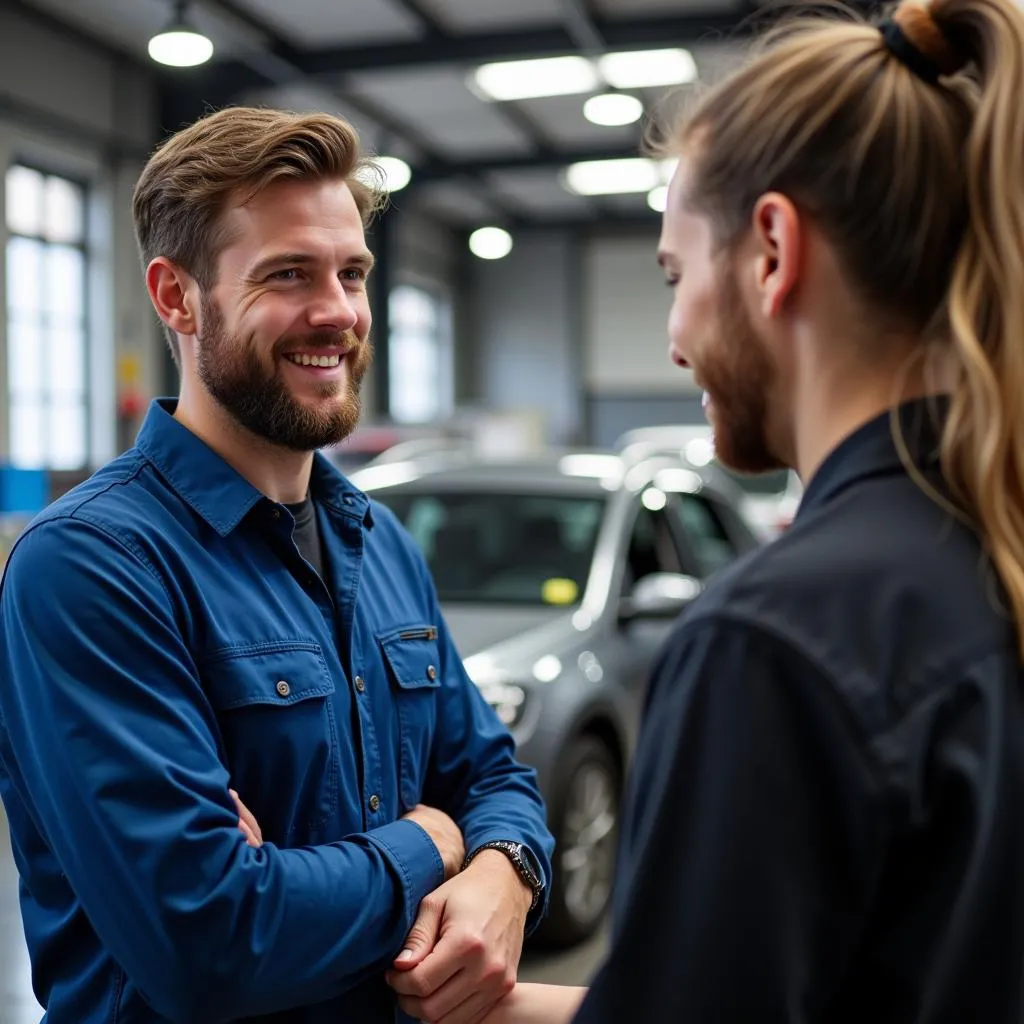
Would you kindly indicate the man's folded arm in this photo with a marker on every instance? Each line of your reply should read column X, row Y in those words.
column 110, row 740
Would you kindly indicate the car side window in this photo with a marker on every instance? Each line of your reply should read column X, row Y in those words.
column 708, row 538
column 651, row 548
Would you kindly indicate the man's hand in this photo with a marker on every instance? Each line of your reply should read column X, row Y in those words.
column 462, row 954
column 446, row 836
column 247, row 823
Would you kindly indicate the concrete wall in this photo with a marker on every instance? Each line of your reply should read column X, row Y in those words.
column 524, row 329
column 573, row 325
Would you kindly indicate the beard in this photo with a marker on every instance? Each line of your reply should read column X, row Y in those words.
column 258, row 398
column 740, row 377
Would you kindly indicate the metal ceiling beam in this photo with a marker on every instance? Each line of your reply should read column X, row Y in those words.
column 545, row 40
column 540, row 41
column 428, row 172
column 424, row 17
column 579, row 21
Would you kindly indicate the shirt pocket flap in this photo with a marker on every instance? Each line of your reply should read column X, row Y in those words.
column 281, row 674
column 413, row 656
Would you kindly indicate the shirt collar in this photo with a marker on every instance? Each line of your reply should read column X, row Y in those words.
column 216, row 491
column 871, row 450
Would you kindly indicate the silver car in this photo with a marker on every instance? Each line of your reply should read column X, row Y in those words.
column 560, row 577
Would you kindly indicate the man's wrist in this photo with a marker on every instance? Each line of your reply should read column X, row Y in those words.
column 495, row 861
column 520, row 860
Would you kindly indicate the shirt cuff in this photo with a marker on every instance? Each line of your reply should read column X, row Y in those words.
column 414, row 858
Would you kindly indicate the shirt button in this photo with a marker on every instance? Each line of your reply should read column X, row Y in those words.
column 375, row 803
column 431, row 672
column 276, row 513
column 360, row 684
column 283, row 689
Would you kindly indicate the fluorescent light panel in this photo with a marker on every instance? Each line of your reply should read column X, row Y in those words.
column 612, row 177
column 530, row 79
column 641, row 69
column 566, row 76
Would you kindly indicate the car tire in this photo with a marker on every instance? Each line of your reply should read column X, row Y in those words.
column 583, row 815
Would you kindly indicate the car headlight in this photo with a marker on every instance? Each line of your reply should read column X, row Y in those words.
column 507, row 699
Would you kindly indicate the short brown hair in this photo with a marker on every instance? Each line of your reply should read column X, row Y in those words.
column 188, row 181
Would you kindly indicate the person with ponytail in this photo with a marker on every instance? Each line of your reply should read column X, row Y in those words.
column 825, row 821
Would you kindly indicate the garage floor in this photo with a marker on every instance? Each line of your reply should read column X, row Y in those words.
column 17, row 1005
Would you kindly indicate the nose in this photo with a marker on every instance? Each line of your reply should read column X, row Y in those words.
column 677, row 357
column 332, row 308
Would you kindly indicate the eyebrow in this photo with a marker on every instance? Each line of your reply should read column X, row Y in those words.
column 363, row 260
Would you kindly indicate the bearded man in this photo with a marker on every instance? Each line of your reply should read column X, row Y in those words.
column 244, row 769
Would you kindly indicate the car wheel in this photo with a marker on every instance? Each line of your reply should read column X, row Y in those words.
column 584, row 818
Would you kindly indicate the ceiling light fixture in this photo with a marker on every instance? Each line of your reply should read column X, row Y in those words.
column 657, row 199
column 397, row 173
column 180, row 45
column 612, row 177
column 612, row 109
column 530, row 79
column 490, row 243
column 643, row 69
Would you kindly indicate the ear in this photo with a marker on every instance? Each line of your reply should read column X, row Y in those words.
column 174, row 295
column 778, row 236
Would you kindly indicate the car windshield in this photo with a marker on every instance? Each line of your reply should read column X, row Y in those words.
column 482, row 547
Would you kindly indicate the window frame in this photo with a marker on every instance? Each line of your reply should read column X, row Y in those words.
column 84, row 247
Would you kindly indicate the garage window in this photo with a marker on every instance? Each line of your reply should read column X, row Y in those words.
column 420, row 356
column 47, row 339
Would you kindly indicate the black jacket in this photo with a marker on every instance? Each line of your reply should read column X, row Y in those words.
column 826, row 816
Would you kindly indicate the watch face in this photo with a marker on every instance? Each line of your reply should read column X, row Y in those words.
column 526, row 856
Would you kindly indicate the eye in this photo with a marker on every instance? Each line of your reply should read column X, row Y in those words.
column 354, row 274
column 290, row 274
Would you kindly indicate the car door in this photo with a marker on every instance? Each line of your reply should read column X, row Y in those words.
column 708, row 534
column 629, row 648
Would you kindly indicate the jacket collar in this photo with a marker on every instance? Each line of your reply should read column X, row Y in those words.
column 216, row 491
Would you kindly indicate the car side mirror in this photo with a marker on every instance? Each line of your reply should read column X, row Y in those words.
column 660, row 595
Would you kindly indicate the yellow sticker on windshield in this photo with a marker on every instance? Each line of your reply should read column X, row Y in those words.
column 559, row 591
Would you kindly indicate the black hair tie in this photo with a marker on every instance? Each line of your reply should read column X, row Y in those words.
column 904, row 50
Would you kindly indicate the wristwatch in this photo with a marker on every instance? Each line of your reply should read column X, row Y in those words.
column 523, row 861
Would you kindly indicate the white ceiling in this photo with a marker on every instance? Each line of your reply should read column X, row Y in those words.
column 421, row 111
column 128, row 24
column 337, row 22
column 481, row 16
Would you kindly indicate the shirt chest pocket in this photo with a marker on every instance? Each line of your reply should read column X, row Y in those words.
column 274, row 704
column 414, row 670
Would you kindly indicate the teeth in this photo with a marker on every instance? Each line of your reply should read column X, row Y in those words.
column 306, row 360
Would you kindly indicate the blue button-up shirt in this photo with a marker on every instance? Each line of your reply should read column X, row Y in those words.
column 162, row 639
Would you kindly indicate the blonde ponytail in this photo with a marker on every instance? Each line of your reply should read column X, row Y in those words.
column 983, row 442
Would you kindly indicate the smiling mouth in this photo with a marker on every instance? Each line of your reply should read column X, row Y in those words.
column 304, row 359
